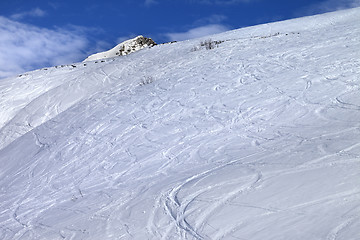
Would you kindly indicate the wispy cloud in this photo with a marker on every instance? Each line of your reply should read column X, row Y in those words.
column 213, row 19
column 205, row 26
column 328, row 6
column 150, row 2
column 25, row 47
column 197, row 32
column 36, row 12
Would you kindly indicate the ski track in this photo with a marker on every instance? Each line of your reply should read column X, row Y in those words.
column 255, row 139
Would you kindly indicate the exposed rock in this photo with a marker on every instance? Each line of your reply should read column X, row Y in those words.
column 124, row 48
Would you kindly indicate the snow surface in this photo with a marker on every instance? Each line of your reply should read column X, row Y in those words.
column 258, row 138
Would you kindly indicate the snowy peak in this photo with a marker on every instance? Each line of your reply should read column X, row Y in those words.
column 124, row 48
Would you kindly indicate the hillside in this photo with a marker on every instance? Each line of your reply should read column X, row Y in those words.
column 250, row 134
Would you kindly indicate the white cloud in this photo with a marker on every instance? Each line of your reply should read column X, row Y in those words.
column 25, row 47
column 197, row 32
column 36, row 12
column 100, row 46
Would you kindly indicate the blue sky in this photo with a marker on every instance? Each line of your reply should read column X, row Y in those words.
column 43, row 33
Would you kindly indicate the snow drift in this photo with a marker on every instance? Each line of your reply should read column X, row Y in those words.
column 257, row 137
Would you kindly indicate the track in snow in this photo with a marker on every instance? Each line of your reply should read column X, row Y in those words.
column 255, row 139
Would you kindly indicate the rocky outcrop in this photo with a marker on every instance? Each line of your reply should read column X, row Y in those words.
column 124, row 48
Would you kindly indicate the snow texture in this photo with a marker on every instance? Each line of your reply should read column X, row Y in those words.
column 124, row 48
column 257, row 138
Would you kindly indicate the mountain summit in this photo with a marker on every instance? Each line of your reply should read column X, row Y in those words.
column 124, row 48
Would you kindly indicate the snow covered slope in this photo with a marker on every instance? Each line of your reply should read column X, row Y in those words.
column 256, row 138
column 124, row 48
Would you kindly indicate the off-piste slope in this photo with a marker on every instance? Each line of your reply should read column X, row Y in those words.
column 256, row 138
